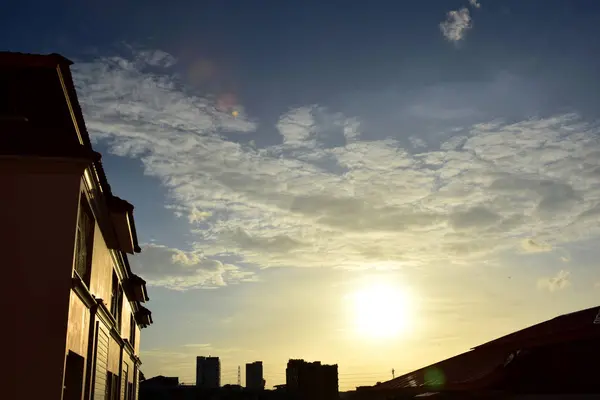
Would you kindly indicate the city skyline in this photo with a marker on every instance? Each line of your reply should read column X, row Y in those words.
column 377, row 185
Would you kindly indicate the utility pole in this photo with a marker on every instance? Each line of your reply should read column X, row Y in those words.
column 393, row 373
column 239, row 376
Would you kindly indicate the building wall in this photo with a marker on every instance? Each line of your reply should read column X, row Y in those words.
column 102, row 268
column 38, row 236
column 100, row 366
column 138, row 338
column 101, row 287
column 128, row 365
column 79, row 326
column 114, row 356
column 126, row 319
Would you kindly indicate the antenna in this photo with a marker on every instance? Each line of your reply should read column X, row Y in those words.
column 239, row 376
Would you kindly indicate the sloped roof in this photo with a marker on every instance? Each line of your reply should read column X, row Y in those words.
column 465, row 367
column 483, row 364
column 564, row 327
column 43, row 86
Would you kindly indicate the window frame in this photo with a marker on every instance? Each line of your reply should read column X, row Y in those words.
column 112, row 386
column 84, row 241
column 132, row 327
column 116, row 300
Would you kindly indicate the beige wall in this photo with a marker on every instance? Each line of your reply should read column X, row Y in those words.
column 114, row 356
column 79, row 326
column 130, row 365
column 125, row 319
column 137, row 340
column 101, row 280
column 38, row 210
column 102, row 267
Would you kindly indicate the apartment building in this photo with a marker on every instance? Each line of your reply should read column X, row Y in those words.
column 208, row 372
column 312, row 380
column 75, row 307
column 254, row 376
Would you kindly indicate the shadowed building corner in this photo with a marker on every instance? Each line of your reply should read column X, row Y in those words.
column 76, row 309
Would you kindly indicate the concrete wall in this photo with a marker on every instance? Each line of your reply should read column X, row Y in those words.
column 38, row 210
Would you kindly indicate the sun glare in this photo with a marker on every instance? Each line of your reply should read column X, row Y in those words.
column 381, row 311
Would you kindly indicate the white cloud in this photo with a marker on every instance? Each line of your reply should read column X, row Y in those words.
column 475, row 3
column 196, row 215
column 558, row 282
column 180, row 270
column 157, row 58
column 297, row 126
column 457, row 23
column 328, row 196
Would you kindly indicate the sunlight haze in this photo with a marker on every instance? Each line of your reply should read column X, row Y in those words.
column 380, row 185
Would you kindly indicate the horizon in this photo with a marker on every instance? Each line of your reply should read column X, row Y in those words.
column 378, row 186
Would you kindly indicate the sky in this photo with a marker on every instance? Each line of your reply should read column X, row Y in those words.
column 377, row 184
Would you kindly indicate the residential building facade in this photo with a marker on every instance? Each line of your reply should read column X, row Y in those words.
column 254, row 376
column 208, row 372
column 76, row 307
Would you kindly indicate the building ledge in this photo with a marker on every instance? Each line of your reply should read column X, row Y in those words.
column 82, row 291
column 121, row 213
column 136, row 288
column 105, row 314
column 143, row 317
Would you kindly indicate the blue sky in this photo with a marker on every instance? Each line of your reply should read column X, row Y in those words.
column 286, row 159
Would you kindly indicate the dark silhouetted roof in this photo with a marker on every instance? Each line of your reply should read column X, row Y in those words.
column 564, row 327
column 484, row 364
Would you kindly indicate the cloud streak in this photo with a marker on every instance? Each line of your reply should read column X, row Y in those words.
column 326, row 196
column 180, row 270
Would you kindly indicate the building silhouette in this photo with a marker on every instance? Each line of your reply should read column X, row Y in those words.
column 75, row 305
column 312, row 380
column 208, row 372
column 552, row 357
column 254, row 376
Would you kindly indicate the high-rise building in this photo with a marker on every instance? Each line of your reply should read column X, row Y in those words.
column 208, row 372
column 75, row 305
column 312, row 380
column 254, row 376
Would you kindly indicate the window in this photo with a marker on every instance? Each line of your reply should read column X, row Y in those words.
column 116, row 301
column 132, row 330
column 130, row 393
column 73, row 386
column 84, row 242
column 112, row 386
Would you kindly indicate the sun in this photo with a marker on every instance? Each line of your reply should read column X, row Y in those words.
column 381, row 311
